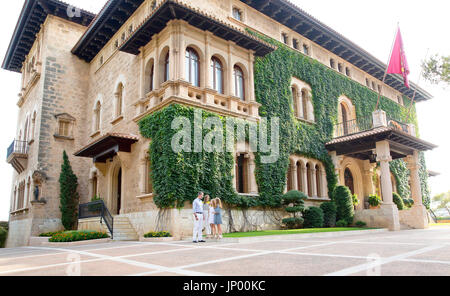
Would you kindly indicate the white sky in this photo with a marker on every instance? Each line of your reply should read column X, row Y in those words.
column 371, row 25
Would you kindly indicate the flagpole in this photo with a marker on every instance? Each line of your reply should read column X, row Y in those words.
column 415, row 90
column 387, row 66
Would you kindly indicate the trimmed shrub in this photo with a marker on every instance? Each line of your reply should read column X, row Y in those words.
column 398, row 201
column 375, row 200
column 69, row 198
column 157, row 234
column 360, row 224
column 50, row 234
column 294, row 200
column 74, row 236
column 329, row 213
column 342, row 223
column 313, row 218
column 3, row 237
column 344, row 203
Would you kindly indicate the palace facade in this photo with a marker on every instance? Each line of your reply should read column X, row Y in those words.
column 89, row 80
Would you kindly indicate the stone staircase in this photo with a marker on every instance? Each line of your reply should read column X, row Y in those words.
column 123, row 230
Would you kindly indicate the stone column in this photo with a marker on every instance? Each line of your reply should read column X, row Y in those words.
column 417, row 215
column 207, row 62
column 304, row 177
column 228, row 75
column 294, row 179
column 249, row 83
column 313, row 182
column 157, row 67
column 388, row 213
column 253, row 187
column 142, row 74
column 323, row 175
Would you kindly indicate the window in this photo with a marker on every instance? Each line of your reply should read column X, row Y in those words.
column 340, row 68
column 309, row 177
column 192, row 67
column 151, row 78
column 332, row 63
column 123, row 37
column 380, row 89
column 97, row 114
column 237, row 14
column 305, row 49
column 305, row 101
column 217, row 75
column 166, row 67
column 347, row 71
column 284, row 38
column 116, row 44
column 295, row 101
column 153, row 5
column 239, row 87
column 368, row 82
column 95, row 186
column 399, row 100
column 130, row 29
column 101, row 60
column 295, row 43
column 119, row 100
column 64, row 127
column 242, row 173
column 374, row 86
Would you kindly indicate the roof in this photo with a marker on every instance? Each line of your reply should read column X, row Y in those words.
column 107, row 145
column 105, row 25
column 290, row 15
column 33, row 15
column 174, row 9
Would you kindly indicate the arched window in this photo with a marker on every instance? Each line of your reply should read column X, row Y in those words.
column 97, row 114
column 166, row 67
column 151, row 78
column 367, row 82
column 239, row 88
column 119, row 100
column 318, row 181
column 345, row 123
column 347, row 71
column 95, row 186
column 309, row 177
column 300, row 172
column 237, row 14
column 332, row 64
column 340, row 68
column 217, row 75
column 305, row 49
column 192, row 67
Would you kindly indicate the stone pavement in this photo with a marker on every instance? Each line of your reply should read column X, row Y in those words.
column 413, row 252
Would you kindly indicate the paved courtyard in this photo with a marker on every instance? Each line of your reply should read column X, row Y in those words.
column 413, row 252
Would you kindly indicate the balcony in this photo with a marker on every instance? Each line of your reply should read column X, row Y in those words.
column 17, row 155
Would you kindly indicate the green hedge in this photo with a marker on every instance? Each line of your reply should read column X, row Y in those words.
column 313, row 218
column 74, row 236
column 3, row 237
column 50, row 234
column 178, row 177
column 344, row 204
column 329, row 213
column 398, row 201
column 157, row 234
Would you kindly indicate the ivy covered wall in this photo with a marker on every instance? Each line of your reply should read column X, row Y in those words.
column 178, row 177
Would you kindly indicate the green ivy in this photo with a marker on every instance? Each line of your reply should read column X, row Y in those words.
column 178, row 177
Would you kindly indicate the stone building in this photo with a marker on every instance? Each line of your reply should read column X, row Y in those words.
column 88, row 80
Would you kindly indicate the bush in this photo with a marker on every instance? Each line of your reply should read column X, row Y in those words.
column 360, row 224
column 3, row 237
column 342, row 223
column 313, row 218
column 158, row 234
column 4, row 225
column 374, row 200
column 74, row 236
column 50, row 234
column 344, row 203
column 398, row 201
column 329, row 213
column 294, row 200
column 294, row 223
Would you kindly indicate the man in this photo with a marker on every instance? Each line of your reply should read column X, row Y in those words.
column 197, row 208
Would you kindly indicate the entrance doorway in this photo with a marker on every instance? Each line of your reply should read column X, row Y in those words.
column 349, row 182
column 119, row 191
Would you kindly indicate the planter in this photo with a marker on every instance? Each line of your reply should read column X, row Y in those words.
column 156, row 239
column 77, row 243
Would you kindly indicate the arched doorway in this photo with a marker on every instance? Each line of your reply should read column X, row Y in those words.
column 115, row 199
column 349, row 181
column 119, row 191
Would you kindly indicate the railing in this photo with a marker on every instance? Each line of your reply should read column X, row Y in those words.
column 433, row 215
column 353, row 126
column 97, row 209
column 397, row 124
column 20, row 147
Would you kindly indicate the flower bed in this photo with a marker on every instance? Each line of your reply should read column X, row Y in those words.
column 157, row 234
column 75, row 236
column 50, row 234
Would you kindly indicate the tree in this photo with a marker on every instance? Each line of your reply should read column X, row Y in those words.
column 437, row 69
column 344, row 202
column 294, row 200
column 69, row 198
column 443, row 201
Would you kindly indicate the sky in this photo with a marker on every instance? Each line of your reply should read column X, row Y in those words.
column 371, row 25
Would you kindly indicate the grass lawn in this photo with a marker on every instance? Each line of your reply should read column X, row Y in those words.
column 291, row 231
column 440, row 224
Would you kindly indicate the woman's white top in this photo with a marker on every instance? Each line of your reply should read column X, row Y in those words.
column 211, row 215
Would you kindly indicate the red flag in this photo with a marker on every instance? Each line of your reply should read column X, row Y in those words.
column 398, row 63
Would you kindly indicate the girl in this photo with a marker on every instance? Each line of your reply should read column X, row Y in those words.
column 207, row 215
column 218, row 217
column 211, row 215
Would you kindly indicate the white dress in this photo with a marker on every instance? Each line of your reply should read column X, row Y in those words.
column 211, row 215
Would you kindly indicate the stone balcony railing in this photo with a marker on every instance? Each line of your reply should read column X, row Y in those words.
column 184, row 93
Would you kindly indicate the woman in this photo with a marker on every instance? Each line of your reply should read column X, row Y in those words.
column 218, row 217
column 211, row 216
column 206, row 216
